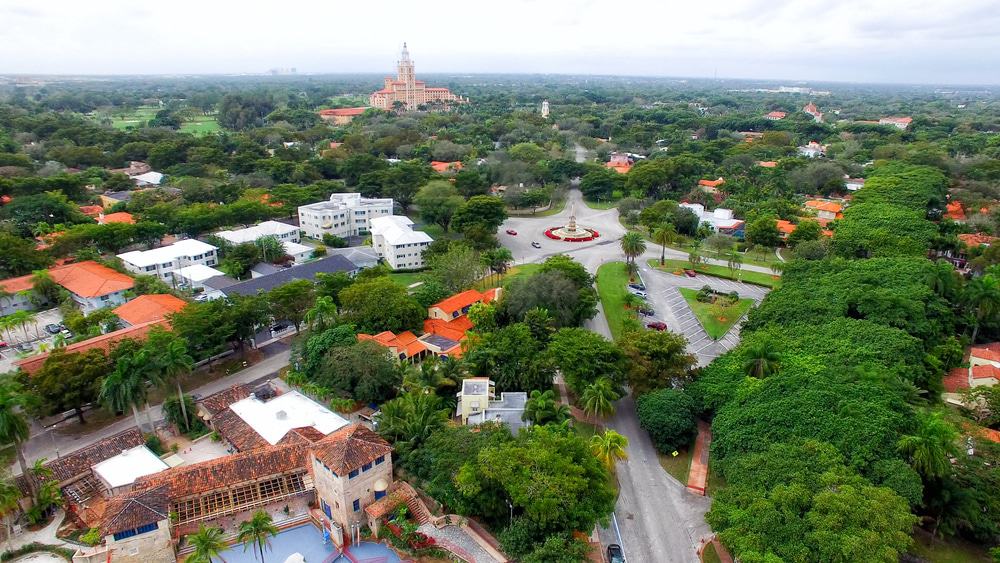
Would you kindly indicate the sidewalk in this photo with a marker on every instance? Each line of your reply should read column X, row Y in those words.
column 698, row 475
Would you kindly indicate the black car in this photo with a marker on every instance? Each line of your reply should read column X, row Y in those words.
column 615, row 554
column 52, row 328
column 24, row 347
column 638, row 286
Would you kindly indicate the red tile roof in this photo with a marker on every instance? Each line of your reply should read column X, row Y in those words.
column 712, row 183
column 91, row 210
column 459, row 301
column 146, row 308
column 74, row 464
column 955, row 211
column 399, row 492
column 349, row 448
column 103, row 342
column 120, row 217
column 977, row 239
column 343, row 112
column 785, row 227
column 404, row 342
column 14, row 285
column 220, row 401
column 439, row 166
column 776, row 115
column 956, row 380
column 989, row 352
column 90, row 279
column 820, row 205
column 985, row 371
column 134, row 509
column 767, row 164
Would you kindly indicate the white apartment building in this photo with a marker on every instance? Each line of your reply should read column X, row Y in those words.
column 161, row 262
column 395, row 241
column 344, row 215
column 287, row 235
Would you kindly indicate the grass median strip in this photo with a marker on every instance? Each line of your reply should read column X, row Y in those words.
column 746, row 276
column 715, row 318
column 611, row 288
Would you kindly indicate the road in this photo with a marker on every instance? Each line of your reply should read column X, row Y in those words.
column 50, row 443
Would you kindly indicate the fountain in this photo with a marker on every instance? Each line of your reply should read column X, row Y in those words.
column 571, row 232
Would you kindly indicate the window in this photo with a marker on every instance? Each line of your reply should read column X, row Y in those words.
column 379, row 460
column 366, row 467
column 357, row 505
column 137, row 531
column 352, row 474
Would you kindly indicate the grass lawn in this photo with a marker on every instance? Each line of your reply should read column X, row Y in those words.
column 406, row 279
column 677, row 466
column 715, row 324
column 557, row 207
column 746, row 276
column 611, row 281
column 136, row 118
column 585, row 430
column 201, row 125
column 947, row 551
column 601, row 204
column 511, row 275
column 709, row 555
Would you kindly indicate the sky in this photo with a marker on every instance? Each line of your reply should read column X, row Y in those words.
column 884, row 41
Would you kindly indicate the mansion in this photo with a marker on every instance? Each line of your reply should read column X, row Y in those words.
column 409, row 91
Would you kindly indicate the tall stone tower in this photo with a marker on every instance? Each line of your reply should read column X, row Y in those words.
column 545, row 109
column 406, row 75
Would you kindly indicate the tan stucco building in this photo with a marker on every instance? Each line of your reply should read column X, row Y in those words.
column 408, row 91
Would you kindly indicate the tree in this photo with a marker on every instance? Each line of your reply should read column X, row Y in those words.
column 323, row 314
column 567, row 303
column 511, row 357
column 982, row 296
column 663, row 236
column 292, row 300
column 256, row 531
column 471, row 183
column 408, row 420
column 601, row 182
column 170, row 357
column 497, row 260
column 484, row 211
column 719, row 243
column 18, row 257
column 207, row 543
column 438, row 202
column 542, row 408
column 583, row 357
column 930, row 447
column 632, row 245
column 206, row 325
column 734, row 262
column 125, row 387
column 761, row 360
column 358, row 370
column 457, row 269
column 67, row 381
column 669, row 417
column 381, row 304
column 598, row 398
column 655, row 360
column 14, row 427
column 805, row 231
column 609, row 447
column 763, row 231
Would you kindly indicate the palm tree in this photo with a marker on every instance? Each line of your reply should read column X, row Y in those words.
column 609, row 447
column 497, row 260
column 124, row 387
column 173, row 362
column 427, row 378
column 983, row 298
column 777, row 267
column 598, row 398
column 207, row 543
column 930, row 447
column 663, row 236
column 761, row 360
column 694, row 257
column 10, row 494
column 256, row 531
column 943, row 279
column 543, row 408
column 734, row 263
column 14, row 427
column 411, row 418
column 322, row 314
column 633, row 245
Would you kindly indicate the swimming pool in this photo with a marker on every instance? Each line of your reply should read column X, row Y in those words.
column 308, row 540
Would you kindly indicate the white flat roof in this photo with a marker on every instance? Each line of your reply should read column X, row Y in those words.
column 274, row 418
column 186, row 248
column 126, row 467
column 294, row 248
column 404, row 235
column 250, row 234
column 198, row 272
column 382, row 224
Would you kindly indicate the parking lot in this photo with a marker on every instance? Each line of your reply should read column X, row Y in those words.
column 669, row 307
column 33, row 334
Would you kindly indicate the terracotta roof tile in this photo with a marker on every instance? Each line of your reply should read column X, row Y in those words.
column 103, row 342
column 343, row 112
column 120, row 217
column 237, row 432
column 819, row 205
column 712, row 183
column 439, row 166
column 146, row 308
column 399, row 492
column 990, row 352
column 349, row 448
column 79, row 462
column 458, row 301
column 985, row 371
column 956, row 380
column 134, row 509
column 14, row 285
column 90, row 279
column 977, row 239
column 218, row 402
column 91, row 210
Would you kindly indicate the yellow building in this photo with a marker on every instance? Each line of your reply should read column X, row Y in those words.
column 409, row 92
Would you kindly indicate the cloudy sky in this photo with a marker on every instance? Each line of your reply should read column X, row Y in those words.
column 915, row 41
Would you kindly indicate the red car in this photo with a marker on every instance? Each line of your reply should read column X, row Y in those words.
column 512, row 232
column 3, row 344
column 657, row 326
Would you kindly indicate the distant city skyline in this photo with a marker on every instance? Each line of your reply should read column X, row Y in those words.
column 889, row 41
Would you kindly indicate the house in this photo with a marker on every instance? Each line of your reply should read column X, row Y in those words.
column 287, row 235
column 459, row 304
column 897, row 122
column 118, row 473
column 162, row 262
column 194, row 276
column 103, row 342
column 111, row 199
column 148, row 179
column 395, row 241
column 976, row 239
column 767, row 164
column 404, row 346
column 853, row 184
column 812, row 110
column 340, row 116
column 344, row 215
column 983, row 370
column 785, row 228
column 91, row 285
column 825, row 210
column 443, row 167
column 812, row 150
column 711, row 186
column 620, row 163
column 91, row 210
column 149, row 308
column 16, row 294
column 955, row 211
column 267, row 417
column 477, row 404
column 224, row 286
column 120, row 217
column 775, row 115
column 720, row 220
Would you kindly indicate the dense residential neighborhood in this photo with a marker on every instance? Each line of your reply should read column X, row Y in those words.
column 544, row 319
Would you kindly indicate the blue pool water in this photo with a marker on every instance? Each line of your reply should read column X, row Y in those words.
column 308, row 540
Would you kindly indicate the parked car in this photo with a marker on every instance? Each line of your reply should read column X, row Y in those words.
column 67, row 334
column 52, row 328
column 25, row 347
column 512, row 232
column 640, row 294
column 638, row 286
column 657, row 325
column 690, row 273
column 615, row 554
column 3, row 344
column 646, row 311
column 636, row 289
column 536, row 245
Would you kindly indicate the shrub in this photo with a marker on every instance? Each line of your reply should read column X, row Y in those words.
column 91, row 537
column 334, row 241
column 669, row 417
column 153, row 443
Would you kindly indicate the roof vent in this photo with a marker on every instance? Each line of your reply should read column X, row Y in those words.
column 282, row 415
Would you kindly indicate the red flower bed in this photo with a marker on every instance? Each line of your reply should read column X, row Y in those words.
column 420, row 541
column 591, row 235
